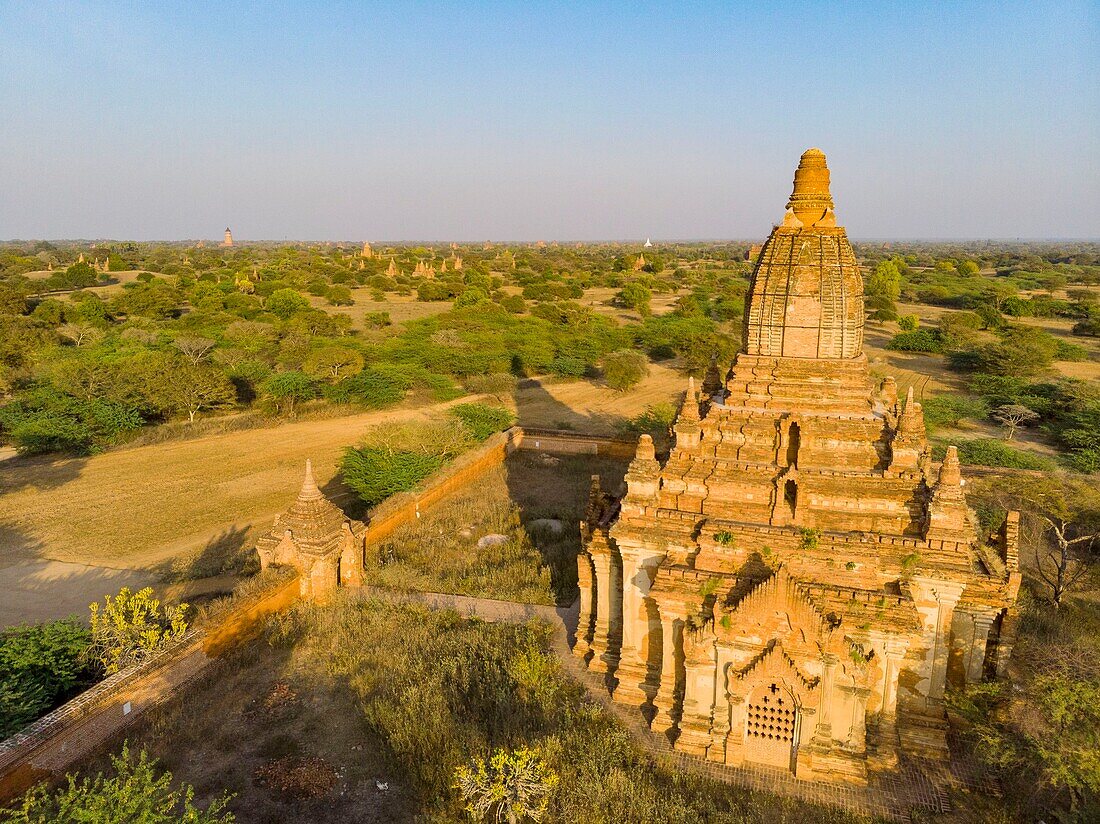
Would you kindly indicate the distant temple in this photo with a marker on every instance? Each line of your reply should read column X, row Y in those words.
column 228, row 237
column 648, row 244
column 367, row 252
column 797, row 585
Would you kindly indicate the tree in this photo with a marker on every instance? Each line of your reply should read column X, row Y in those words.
column 624, row 369
column 80, row 334
column 1012, row 416
column 511, row 786
column 637, row 296
column 333, row 363
column 1068, row 512
column 191, row 388
column 39, row 665
column 194, row 348
column 339, row 296
column 137, row 793
column 286, row 389
column 130, row 627
column 286, row 302
column 907, row 323
column 884, row 281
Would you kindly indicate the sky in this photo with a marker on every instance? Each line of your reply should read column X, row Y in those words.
column 535, row 120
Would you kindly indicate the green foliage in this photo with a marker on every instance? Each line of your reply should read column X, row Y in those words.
column 284, row 303
column 656, row 421
column 286, row 389
column 510, row 786
column 624, row 369
column 724, row 538
column 370, row 389
column 44, row 420
column 137, row 792
column 908, row 323
column 951, row 410
column 884, row 281
column 1021, row 351
column 994, row 452
column 482, row 420
column 917, row 340
column 635, row 295
column 375, row 473
column 809, row 539
column 40, row 665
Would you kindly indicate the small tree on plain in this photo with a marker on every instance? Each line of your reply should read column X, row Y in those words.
column 1012, row 416
column 624, row 369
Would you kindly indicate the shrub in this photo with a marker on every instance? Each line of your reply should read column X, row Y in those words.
column 509, row 786
column 369, row 388
column 285, row 389
column 624, row 369
column 375, row 473
column 482, row 420
column 918, row 340
column 950, row 410
column 908, row 323
column 44, row 420
column 498, row 384
column 656, row 421
column 339, row 296
column 40, row 665
column 286, row 302
column 130, row 627
column 137, row 792
column 1070, row 352
column 993, row 452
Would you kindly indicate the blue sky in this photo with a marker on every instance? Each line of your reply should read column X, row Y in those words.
column 525, row 120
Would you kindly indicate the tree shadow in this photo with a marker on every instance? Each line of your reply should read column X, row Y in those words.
column 227, row 553
column 39, row 472
column 538, row 408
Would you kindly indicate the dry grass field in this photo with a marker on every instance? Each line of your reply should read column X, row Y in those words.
column 399, row 307
column 159, row 507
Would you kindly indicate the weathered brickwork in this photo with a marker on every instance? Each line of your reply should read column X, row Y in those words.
column 797, row 584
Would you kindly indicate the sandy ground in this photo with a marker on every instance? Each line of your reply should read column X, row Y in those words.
column 72, row 530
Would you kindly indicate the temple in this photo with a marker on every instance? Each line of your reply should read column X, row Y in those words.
column 316, row 538
column 797, row 584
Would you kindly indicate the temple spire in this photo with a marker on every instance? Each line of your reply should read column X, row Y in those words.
column 690, row 410
column 310, row 490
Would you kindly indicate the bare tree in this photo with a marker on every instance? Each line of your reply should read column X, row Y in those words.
column 195, row 349
column 80, row 334
column 1066, row 512
column 1012, row 416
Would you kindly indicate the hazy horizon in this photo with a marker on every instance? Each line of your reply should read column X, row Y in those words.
column 941, row 123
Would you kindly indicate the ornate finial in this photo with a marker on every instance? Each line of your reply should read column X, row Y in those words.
column 811, row 201
column 950, row 472
column 309, row 485
column 646, row 451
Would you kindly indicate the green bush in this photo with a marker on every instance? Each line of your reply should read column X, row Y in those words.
column 918, row 340
column 370, row 389
column 908, row 323
column 44, row 420
column 375, row 473
column 950, row 410
column 285, row 302
column 138, row 792
column 624, row 369
column 1070, row 352
column 482, row 420
column 992, row 452
column 40, row 666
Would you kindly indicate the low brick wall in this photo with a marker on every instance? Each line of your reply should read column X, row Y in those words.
column 564, row 442
column 74, row 730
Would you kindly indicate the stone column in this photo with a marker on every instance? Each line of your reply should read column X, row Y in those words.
column 607, row 633
column 823, row 734
column 637, row 674
column 583, row 643
column 895, row 652
column 672, row 638
column 700, row 688
column 947, row 595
